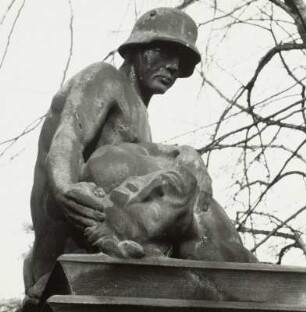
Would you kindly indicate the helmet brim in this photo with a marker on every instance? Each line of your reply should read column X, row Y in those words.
column 190, row 56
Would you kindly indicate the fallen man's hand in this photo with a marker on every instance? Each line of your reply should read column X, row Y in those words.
column 110, row 245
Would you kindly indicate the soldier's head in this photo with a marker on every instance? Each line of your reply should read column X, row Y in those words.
column 162, row 48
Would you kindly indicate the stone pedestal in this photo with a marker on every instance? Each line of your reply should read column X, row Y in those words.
column 99, row 283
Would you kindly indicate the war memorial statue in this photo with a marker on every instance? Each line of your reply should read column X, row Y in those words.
column 102, row 186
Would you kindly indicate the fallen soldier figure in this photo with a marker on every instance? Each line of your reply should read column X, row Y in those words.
column 159, row 203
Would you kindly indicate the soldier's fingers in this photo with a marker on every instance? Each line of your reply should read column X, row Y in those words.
column 79, row 222
column 86, row 198
column 84, row 211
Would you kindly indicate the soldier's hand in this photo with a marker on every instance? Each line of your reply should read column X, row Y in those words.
column 83, row 204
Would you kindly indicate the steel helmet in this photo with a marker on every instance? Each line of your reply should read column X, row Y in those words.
column 168, row 25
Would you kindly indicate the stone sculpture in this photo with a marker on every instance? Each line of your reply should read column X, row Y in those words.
column 101, row 185
column 159, row 203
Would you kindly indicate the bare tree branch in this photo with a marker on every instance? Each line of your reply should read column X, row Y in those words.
column 229, row 14
column 29, row 128
column 282, row 5
column 298, row 12
column 185, row 4
column 110, row 54
column 7, row 11
column 300, row 242
column 269, row 55
column 278, row 227
column 277, row 178
column 11, row 33
column 284, row 250
column 245, row 229
column 71, row 44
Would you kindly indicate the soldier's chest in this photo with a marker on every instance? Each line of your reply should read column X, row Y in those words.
column 127, row 122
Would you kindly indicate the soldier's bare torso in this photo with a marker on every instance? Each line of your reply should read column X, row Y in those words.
column 98, row 106
column 99, row 88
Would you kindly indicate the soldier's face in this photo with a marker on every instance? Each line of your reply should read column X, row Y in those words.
column 157, row 67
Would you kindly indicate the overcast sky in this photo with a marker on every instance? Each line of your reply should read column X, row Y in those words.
column 32, row 72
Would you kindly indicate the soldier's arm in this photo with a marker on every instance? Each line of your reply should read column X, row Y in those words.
column 87, row 104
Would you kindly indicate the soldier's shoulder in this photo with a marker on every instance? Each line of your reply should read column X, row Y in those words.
column 97, row 71
column 98, row 76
